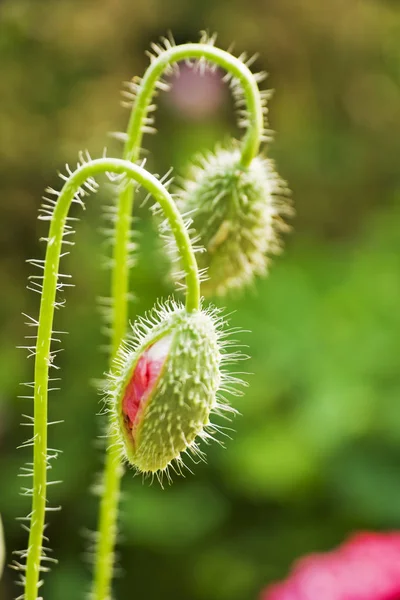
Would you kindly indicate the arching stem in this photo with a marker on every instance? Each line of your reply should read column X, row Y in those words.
column 147, row 88
column 45, row 328
column 232, row 65
column 107, row 529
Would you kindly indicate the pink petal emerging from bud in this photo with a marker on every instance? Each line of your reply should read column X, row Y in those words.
column 144, row 378
column 366, row 567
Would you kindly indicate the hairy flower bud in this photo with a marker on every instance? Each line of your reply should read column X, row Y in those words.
column 164, row 386
column 237, row 217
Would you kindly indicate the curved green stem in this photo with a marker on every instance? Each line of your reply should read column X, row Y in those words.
column 145, row 94
column 43, row 346
column 107, row 529
column 223, row 59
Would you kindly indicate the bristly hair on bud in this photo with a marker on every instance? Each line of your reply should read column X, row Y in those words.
column 237, row 216
column 167, row 379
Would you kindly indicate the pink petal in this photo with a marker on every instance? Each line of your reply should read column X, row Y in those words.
column 144, row 377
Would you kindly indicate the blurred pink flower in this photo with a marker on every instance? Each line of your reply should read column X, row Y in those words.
column 197, row 96
column 365, row 567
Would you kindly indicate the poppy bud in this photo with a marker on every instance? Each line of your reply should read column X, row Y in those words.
column 164, row 386
column 237, row 217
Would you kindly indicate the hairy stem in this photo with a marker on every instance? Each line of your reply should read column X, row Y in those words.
column 43, row 347
column 223, row 59
column 107, row 528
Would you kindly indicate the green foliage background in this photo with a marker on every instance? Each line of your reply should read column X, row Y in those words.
column 316, row 452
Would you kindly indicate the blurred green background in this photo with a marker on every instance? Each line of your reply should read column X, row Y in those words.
column 316, row 452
